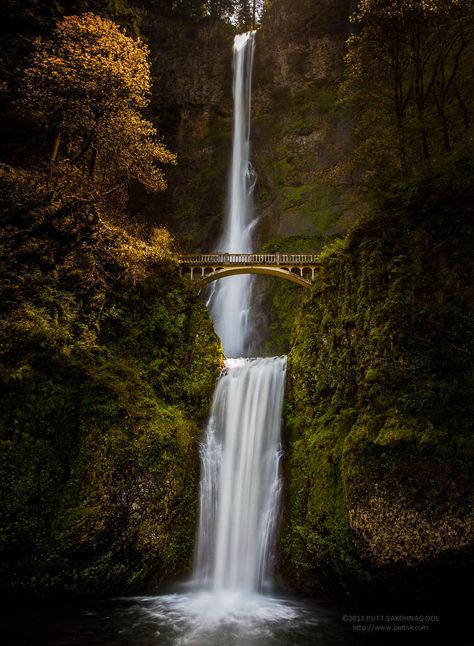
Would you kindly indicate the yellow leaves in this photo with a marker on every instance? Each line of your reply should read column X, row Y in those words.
column 161, row 245
column 93, row 80
column 131, row 142
column 137, row 256
column 91, row 57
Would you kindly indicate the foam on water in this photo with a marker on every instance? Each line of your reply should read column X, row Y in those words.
column 206, row 618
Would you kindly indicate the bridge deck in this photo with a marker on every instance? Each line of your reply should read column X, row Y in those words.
column 233, row 259
column 300, row 268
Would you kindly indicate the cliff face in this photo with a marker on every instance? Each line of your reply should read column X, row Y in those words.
column 192, row 103
column 379, row 423
column 297, row 132
column 108, row 366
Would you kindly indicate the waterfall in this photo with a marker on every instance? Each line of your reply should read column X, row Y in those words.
column 229, row 302
column 240, row 481
column 240, row 453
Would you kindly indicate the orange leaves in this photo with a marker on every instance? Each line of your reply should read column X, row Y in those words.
column 91, row 58
column 91, row 81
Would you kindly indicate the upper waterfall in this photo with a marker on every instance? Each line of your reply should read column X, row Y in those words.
column 230, row 299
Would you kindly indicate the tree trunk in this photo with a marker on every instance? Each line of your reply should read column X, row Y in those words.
column 464, row 110
column 55, row 151
column 444, row 124
column 400, row 103
column 92, row 163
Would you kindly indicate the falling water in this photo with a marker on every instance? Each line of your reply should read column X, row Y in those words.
column 229, row 302
column 240, row 481
column 240, row 476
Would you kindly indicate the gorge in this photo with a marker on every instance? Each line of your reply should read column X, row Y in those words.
column 336, row 468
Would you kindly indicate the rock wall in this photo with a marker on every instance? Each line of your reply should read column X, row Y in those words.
column 192, row 103
column 298, row 133
column 299, row 138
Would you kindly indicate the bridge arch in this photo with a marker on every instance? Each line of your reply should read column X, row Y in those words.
column 266, row 271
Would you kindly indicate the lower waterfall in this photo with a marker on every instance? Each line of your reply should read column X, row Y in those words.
column 240, row 480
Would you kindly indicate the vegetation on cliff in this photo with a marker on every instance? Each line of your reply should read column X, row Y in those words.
column 108, row 359
column 379, row 422
column 380, row 416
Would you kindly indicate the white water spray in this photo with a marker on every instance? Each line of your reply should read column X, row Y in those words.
column 229, row 302
column 240, row 481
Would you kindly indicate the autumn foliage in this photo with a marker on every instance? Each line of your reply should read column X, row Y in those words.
column 91, row 82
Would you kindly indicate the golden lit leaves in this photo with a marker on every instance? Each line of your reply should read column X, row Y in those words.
column 137, row 256
column 91, row 81
column 90, row 59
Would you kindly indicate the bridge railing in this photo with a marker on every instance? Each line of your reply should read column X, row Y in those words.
column 248, row 259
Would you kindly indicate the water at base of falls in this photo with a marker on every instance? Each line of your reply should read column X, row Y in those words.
column 176, row 620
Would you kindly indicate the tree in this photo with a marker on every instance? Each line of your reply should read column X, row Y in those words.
column 91, row 82
column 409, row 79
column 247, row 13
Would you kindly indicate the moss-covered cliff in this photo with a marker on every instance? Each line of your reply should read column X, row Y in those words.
column 192, row 102
column 108, row 364
column 379, row 422
column 299, row 137
column 299, row 134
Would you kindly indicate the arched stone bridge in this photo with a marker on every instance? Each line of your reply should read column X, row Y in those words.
column 204, row 268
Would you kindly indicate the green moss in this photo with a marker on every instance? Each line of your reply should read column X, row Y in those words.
column 380, row 409
column 283, row 299
column 317, row 202
column 105, row 376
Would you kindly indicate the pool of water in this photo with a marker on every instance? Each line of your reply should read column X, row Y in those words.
column 202, row 619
